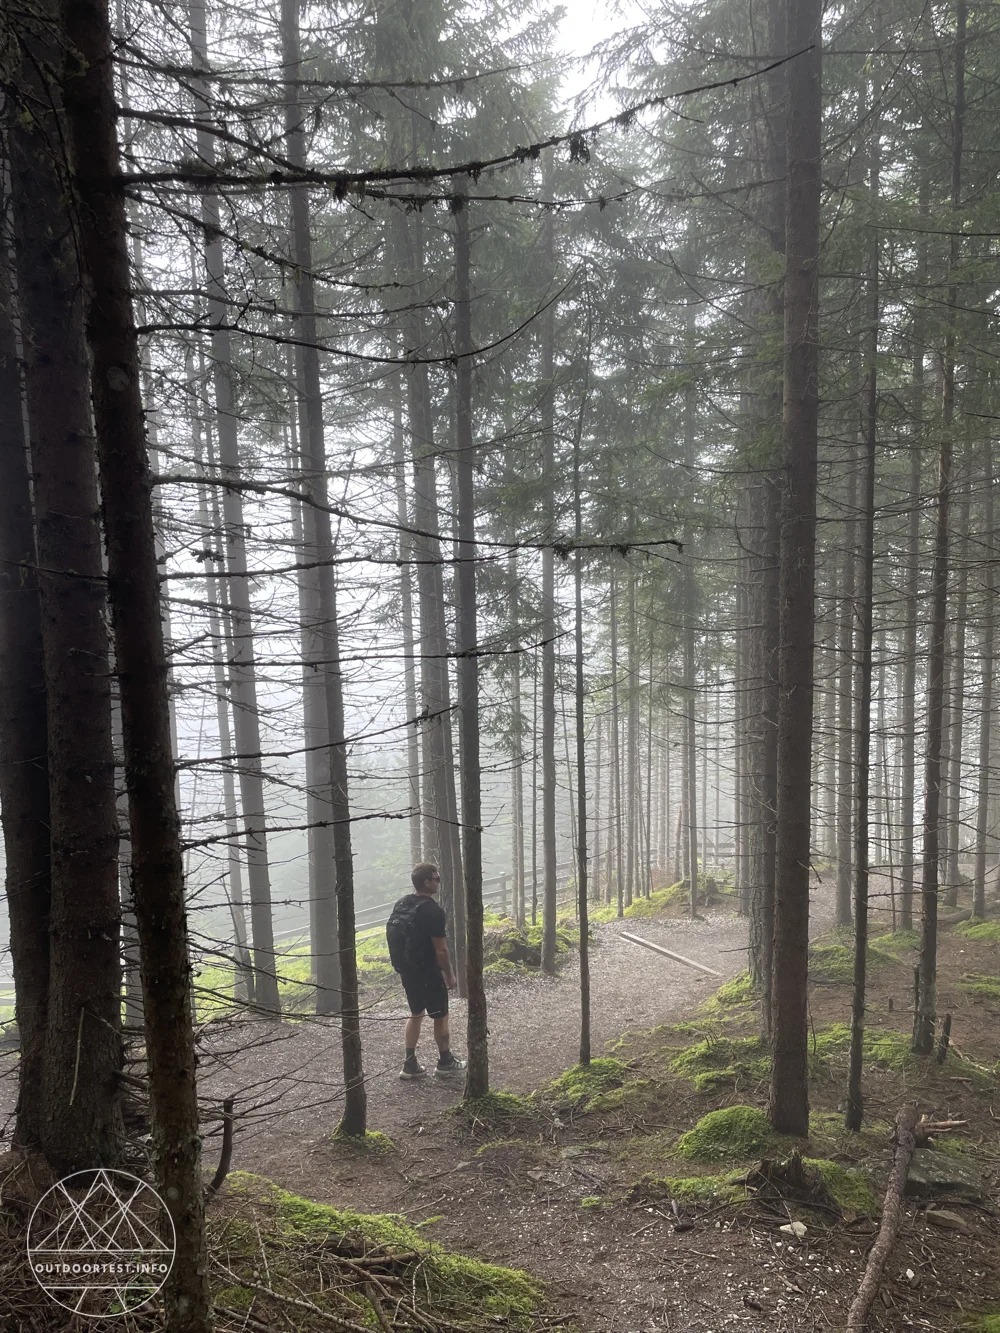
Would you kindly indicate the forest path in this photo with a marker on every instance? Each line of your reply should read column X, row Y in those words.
column 292, row 1073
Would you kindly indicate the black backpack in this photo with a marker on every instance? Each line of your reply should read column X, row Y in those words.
column 400, row 932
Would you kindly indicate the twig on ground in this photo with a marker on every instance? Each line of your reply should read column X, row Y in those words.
column 857, row 1316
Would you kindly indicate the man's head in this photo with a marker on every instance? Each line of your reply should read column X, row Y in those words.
column 426, row 878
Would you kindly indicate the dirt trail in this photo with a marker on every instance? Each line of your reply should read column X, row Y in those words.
column 295, row 1071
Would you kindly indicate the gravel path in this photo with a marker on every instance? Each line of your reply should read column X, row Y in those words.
column 291, row 1073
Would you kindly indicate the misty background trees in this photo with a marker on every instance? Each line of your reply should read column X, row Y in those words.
column 576, row 473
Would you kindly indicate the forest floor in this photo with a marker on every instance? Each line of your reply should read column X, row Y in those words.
column 584, row 1185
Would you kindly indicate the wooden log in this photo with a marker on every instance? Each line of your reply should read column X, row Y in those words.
column 857, row 1316
column 668, row 953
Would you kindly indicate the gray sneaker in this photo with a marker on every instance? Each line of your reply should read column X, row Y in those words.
column 411, row 1069
column 450, row 1064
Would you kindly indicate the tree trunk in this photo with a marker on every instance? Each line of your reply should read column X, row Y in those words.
column 907, row 730
column 846, row 809
column 616, row 758
column 81, row 1120
column 632, row 882
column 477, row 1082
column 924, row 1019
column 134, row 594
column 548, row 611
column 762, row 740
column 315, row 726
column 581, row 750
column 24, row 779
column 406, row 620
column 218, row 611
column 246, row 717
column 956, row 708
column 788, row 1106
column 690, row 610
column 517, row 749
column 988, row 651
column 318, row 540
column 855, row 1101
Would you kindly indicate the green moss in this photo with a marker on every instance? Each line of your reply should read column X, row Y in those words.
column 986, row 932
column 897, row 942
column 503, row 967
column 732, row 1134
column 584, row 1082
column 719, row 1060
column 882, row 1047
column 456, row 1285
column 954, row 1145
column 829, row 1135
column 592, row 1201
column 675, row 895
column 634, row 1097
column 833, row 962
column 495, row 1108
column 234, row 1298
column 980, row 985
column 728, row 1187
column 372, row 1141
column 735, row 994
column 984, row 1323
column 889, row 1049
column 850, row 1190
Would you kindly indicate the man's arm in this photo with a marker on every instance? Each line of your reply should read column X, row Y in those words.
column 444, row 961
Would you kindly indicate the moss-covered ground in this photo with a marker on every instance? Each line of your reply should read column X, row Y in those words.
column 290, row 1258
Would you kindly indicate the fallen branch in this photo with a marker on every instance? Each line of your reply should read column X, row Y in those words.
column 226, row 1155
column 668, row 953
column 857, row 1316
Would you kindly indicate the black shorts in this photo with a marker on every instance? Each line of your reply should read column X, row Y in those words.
column 425, row 992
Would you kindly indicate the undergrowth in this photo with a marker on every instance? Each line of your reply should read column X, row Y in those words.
column 985, row 932
column 309, row 1253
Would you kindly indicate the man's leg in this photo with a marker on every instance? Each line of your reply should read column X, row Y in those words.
column 442, row 1034
column 412, row 1032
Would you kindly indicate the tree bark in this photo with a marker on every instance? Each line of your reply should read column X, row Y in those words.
column 616, row 759
column 855, row 1100
column 924, row 1019
column 477, row 1083
column 987, row 659
column 547, row 405
column 911, row 586
column 846, row 808
column 956, row 708
column 788, row 1106
column 134, row 594
column 81, row 1120
column 24, row 778
column 325, row 946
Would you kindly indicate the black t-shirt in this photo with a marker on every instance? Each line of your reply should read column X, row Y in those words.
column 429, row 924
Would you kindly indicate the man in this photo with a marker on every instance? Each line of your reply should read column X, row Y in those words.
column 419, row 952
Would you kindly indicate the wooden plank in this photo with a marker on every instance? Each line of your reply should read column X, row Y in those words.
column 668, row 953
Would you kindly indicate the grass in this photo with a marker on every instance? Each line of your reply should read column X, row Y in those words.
column 214, row 983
